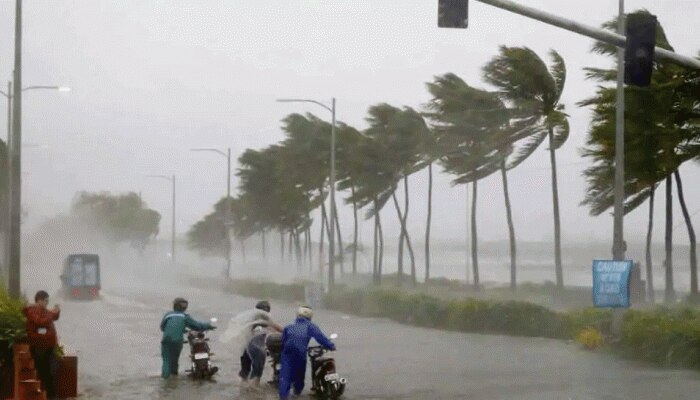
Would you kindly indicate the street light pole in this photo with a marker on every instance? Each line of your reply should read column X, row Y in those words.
column 172, row 239
column 227, row 217
column 15, row 163
column 331, row 231
column 12, row 178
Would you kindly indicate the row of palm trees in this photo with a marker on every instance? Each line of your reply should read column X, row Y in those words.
column 471, row 133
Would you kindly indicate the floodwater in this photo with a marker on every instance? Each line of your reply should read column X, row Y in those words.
column 117, row 342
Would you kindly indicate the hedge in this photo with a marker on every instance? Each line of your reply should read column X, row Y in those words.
column 668, row 337
column 12, row 324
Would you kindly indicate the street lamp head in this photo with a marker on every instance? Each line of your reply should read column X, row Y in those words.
column 64, row 89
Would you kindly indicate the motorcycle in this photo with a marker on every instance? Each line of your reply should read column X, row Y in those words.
column 200, row 355
column 326, row 383
column 273, row 343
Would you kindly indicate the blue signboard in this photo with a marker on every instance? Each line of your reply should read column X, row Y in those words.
column 611, row 283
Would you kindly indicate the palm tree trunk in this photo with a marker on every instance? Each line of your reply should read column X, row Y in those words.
column 340, row 247
column 375, row 254
column 405, row 232
column 381, row 249
column 281, row 247
column 691, row 236
column 650, row 228
column 242, row 242
column 305, row 249
column 290, row 254
column 355, row 228
column 339, row 244
column 557, row 224
column 669, row 293
column 297, row 244
column 511, row 228
column 475, row 254
column 310, row 248
column 399, row 273
column 264, row 251
column 428, row 221
column 320, row 242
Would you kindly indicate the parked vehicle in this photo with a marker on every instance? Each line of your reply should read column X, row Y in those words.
column 81, row 276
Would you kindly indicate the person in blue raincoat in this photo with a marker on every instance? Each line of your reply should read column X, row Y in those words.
column 295, row 340
column 173, row 326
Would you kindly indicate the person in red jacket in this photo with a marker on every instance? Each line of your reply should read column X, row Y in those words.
column 41, row 334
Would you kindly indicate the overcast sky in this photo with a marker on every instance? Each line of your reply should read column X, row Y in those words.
column 152, row 79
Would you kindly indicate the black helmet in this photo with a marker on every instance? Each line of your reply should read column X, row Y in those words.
column 179, row 304
column 263, row 305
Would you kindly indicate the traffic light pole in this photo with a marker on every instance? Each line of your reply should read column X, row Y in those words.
column 617, row 39
column 619, row 185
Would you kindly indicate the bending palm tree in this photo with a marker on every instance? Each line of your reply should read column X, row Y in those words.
column 530, row 87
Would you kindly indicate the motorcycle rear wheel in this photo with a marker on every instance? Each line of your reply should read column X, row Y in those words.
column 331, row 390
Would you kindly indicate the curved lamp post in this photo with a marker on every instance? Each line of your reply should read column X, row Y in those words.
column 227, row 222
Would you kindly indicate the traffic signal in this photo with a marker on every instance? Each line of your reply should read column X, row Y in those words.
column 452, row 13
column 639, row 49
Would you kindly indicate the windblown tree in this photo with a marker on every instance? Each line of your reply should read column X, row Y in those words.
column 533, row 90
column 209, row 236
column 374, row 182
column 348, row 141
column 661, row 130
column 121, row 217
column 401, row 131
column 274, row 194
column 472, row 133
column 306, row 163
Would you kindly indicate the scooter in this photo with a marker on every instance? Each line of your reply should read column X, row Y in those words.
column 325, row 381
column 200, row 355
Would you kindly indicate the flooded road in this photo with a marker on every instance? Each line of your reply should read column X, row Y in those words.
column 117, row 342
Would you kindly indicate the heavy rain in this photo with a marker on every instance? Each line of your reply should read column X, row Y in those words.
column 444, row 199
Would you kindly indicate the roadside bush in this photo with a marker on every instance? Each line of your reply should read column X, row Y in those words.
column 668, row 337
column 665, row 336
column 12, row 324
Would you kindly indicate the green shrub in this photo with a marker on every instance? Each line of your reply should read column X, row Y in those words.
column 469, row 315
column 12, row 324
column 668, row 337
column 665, row 336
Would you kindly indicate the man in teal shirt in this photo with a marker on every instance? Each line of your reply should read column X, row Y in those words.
column 173, row 326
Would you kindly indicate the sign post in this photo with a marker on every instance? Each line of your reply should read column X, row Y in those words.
column 611, row 288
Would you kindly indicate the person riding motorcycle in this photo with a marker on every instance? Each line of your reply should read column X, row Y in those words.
column 295, row 341
column 253, row 357
column 173, row 327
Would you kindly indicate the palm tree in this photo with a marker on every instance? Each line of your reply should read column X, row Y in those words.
column 401, row 131
column 373, row 180
column 347, row 150
column 525, row 82
column 661, row 126
column 473, row 138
